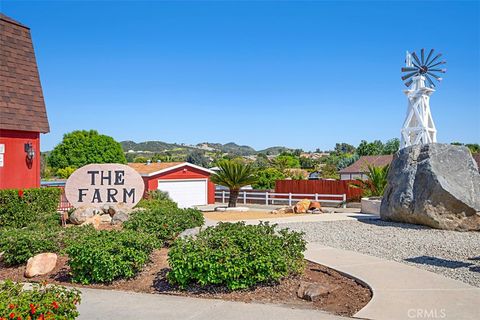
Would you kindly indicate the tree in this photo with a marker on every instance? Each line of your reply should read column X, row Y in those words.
column 474, row 147
column 391, row 146
column 370, row 148
column 266, row 178
column 307, row 163
column 344, row 148
column 82, row 147
column 261, row 162
column 197, row 157
column 234, row 175
column 376, row 181
column 329, row 171
column 284, row 161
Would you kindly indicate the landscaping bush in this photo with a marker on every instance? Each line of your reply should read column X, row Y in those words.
column 104, row 256
column 21, row 244
column 19, row 208
column 157, row 199
column 164, row 220
column 40, row 302
column 236, row 255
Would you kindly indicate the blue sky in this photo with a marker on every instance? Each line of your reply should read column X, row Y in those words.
column 299, row 74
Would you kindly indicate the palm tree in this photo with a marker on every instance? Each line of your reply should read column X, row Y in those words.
column 234, row 175
column 375, row 185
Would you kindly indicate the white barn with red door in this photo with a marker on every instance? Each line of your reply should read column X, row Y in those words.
column 186, row 184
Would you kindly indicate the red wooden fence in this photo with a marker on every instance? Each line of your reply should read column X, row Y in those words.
column 320, row 187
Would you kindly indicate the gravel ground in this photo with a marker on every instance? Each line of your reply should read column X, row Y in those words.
column 450, row 253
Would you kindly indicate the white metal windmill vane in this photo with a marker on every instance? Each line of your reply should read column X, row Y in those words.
column 419, row 127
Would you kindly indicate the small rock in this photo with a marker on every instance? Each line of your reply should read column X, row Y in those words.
column 119, row 217
column 40, row 264
column 96, row 220
column 80, row 214
column 189, row 232
column 311, row 291
column 105, row 208
column 105, row 218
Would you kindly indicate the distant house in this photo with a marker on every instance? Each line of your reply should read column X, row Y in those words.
column 359, row 169
column 22, row 108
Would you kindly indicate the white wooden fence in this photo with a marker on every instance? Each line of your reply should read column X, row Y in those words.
column 272, row 198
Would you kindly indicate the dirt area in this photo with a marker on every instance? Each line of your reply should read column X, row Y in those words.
column 346, row 299
column 247, row 215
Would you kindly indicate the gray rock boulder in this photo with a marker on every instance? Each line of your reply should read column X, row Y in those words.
column 119, row 217
column 81, row 214
column 437, row 185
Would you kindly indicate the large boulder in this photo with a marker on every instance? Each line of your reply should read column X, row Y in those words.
column 436, row 185
column 40, row 264
column 81, row 214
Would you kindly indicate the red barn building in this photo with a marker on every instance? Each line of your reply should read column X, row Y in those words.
column 187, row 184
column 22, row 108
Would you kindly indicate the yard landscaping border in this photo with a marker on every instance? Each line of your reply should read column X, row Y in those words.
column 347, row 295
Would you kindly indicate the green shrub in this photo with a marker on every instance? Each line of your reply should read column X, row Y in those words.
column 164, row 221
column 19, row 208
column 236, row 255
column 64, row 173
column 21, row 244
column 104, row 256
column 39, row 302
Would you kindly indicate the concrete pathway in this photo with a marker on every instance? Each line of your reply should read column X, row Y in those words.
column 106, row 304
column 401, row 291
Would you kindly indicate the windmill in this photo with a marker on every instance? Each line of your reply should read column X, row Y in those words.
column 419, row 77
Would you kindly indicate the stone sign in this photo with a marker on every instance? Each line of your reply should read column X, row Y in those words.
column 95, row 185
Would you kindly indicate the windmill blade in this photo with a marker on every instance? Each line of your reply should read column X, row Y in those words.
column 436, row 57
column 438, row 70
column 409, row 69
column 430, row 81
column 428, row 57
column 414, row 55
column 422, row 55
column 436, row 64
column 408, row 83
column 416, row 66
column 408, row 75
column 435, row 76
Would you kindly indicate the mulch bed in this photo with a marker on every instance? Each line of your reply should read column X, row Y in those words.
column 348, row 297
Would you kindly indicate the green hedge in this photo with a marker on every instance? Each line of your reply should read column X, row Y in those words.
column 39, row 302
column 19, row 208
column 103, row 256
column 19, row 245
column 163, row 219
column 236, row 255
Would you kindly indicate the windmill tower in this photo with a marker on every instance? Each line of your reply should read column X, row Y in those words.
column 418, row 127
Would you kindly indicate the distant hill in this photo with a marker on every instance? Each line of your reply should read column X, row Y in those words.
column 274, row 150
column 152, row 146
column 231, row 147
